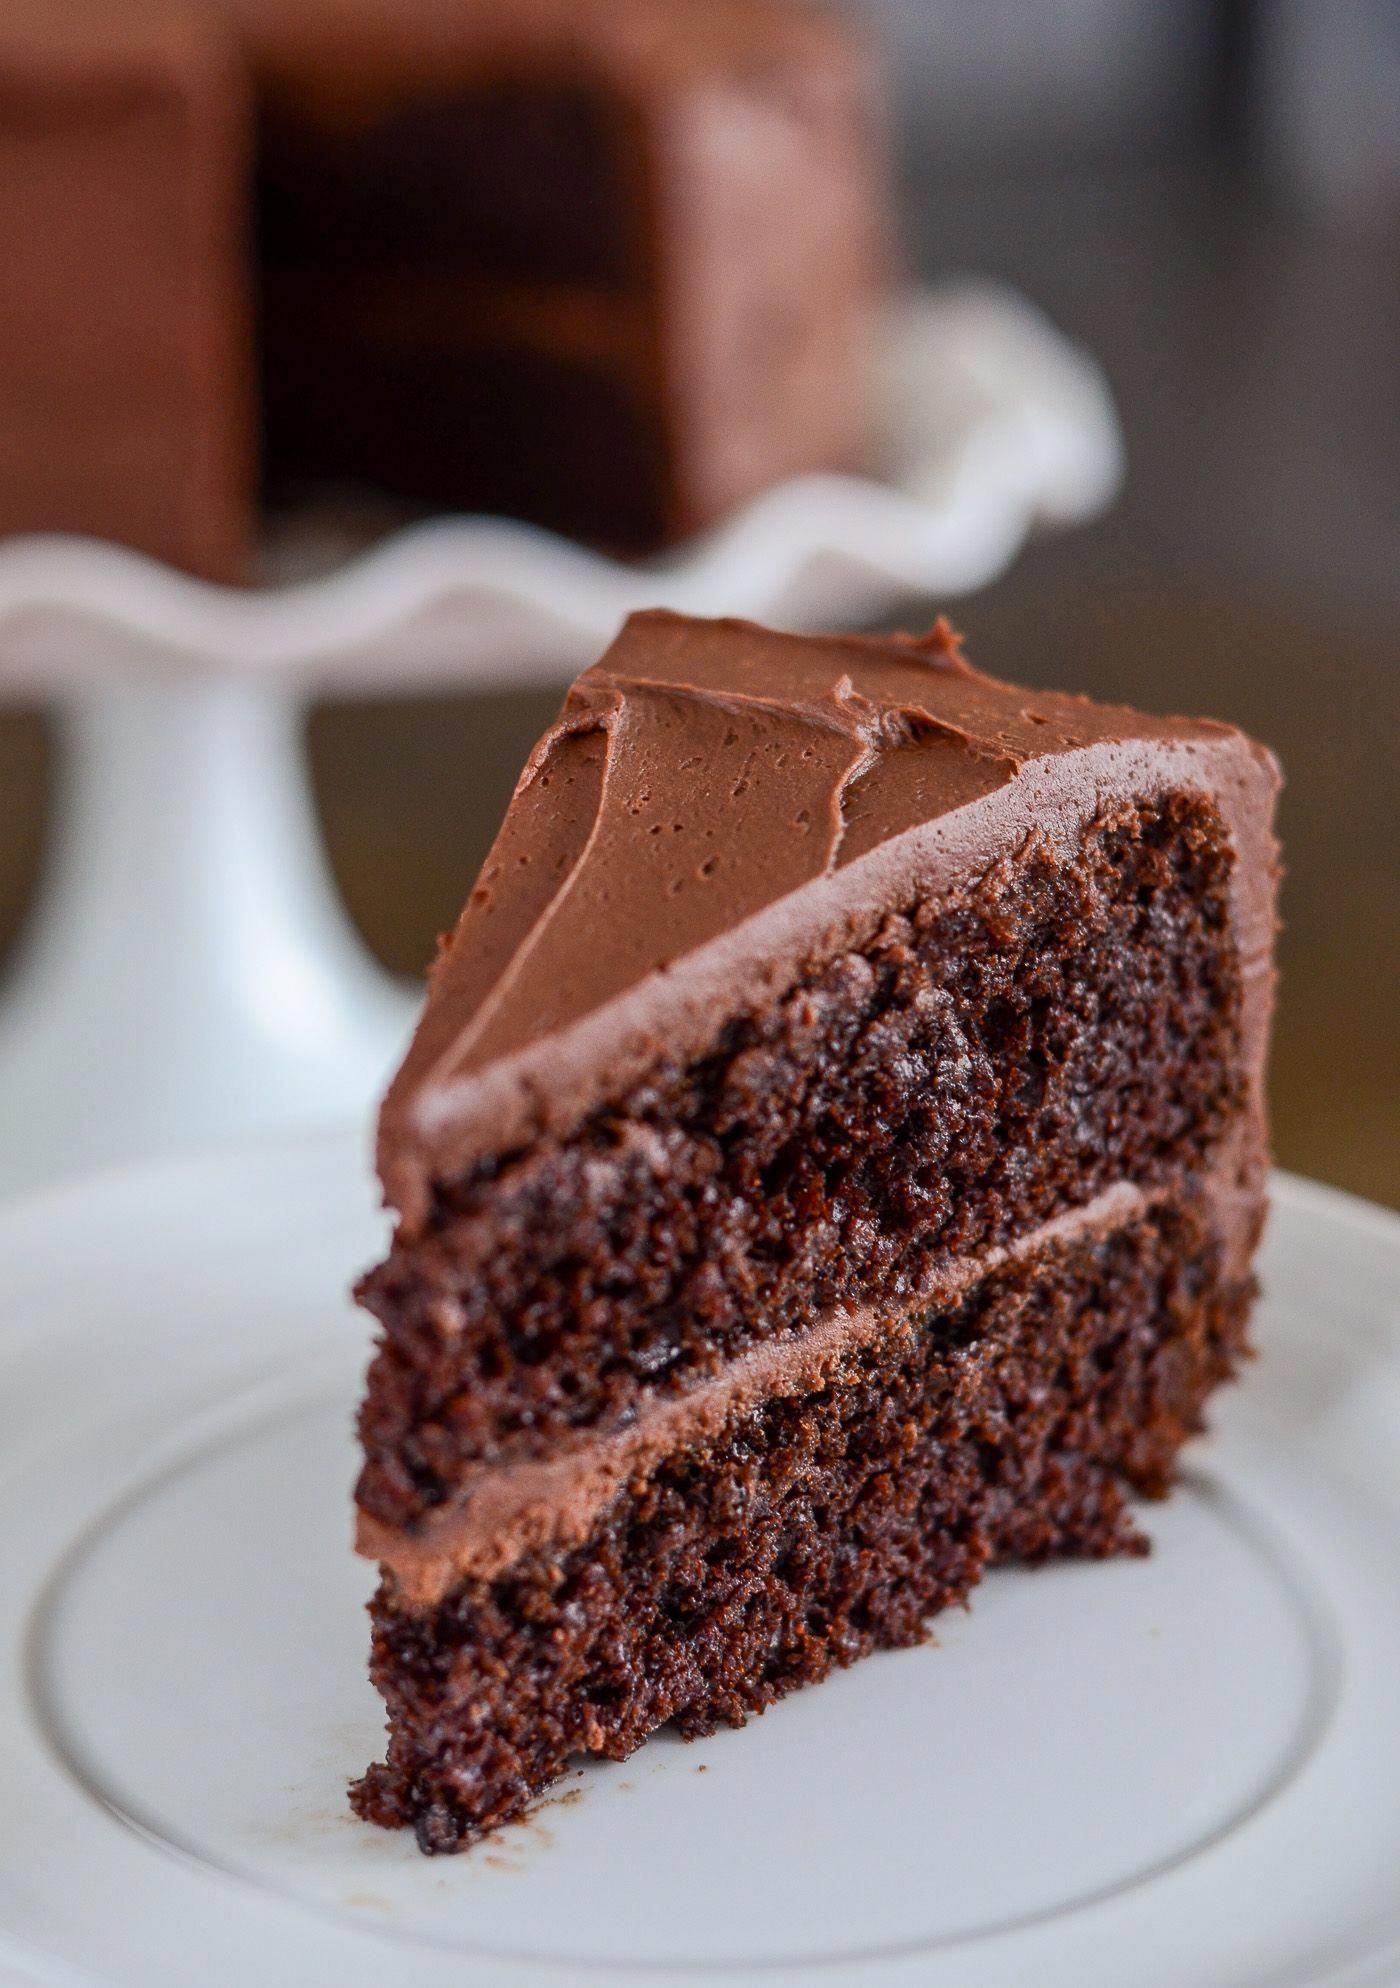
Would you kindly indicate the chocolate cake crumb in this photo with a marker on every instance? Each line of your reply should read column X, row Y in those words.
column 815, row 1530
column 773, row 1261
column 979, row 1070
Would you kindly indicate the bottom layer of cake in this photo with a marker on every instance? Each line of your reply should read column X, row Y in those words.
column 814, row 1528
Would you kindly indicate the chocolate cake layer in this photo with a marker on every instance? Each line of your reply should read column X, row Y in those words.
column 125, row 357
column 1070, row 1021
column 830, row 1161
column 615, row 266
column 804, row 1529
column 504, row 1510
column 610, row 265
column 745, row 802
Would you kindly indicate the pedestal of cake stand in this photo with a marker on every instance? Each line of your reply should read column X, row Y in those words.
column 189, row 972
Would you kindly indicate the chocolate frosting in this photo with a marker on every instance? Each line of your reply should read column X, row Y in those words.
column 339, row 49
column 719, row 807
column 503, row 1512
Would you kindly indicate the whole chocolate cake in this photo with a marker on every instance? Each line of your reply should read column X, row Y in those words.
column 611, row 265
column 829, row 1163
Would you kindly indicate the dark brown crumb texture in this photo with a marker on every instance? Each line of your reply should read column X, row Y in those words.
column 982, row 1066
column 815, row 1529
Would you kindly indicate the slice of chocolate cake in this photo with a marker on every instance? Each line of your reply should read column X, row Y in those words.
column 829, row 1163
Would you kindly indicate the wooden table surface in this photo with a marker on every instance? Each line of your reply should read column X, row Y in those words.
column 1250, row 572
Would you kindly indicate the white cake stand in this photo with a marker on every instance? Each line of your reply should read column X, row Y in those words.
column 189, row 972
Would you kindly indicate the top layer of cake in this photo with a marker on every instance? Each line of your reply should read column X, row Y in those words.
column 725, row 804
column 329, row 44
column 329, row 49
column 610, row 265
column 124, row 141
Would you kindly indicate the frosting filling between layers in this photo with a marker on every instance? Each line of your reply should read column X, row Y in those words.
column 515, row 1509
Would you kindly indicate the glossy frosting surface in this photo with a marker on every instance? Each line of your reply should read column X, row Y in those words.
column 718, row 806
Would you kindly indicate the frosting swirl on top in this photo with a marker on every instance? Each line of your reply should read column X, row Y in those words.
column 716, row 806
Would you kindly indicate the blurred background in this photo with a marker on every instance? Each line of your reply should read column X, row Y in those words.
column 1206, row 193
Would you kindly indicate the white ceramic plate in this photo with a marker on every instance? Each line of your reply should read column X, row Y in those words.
column 1183, row 1770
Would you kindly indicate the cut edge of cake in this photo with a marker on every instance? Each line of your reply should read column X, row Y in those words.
column 597, row 1307
column 1017, row 762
